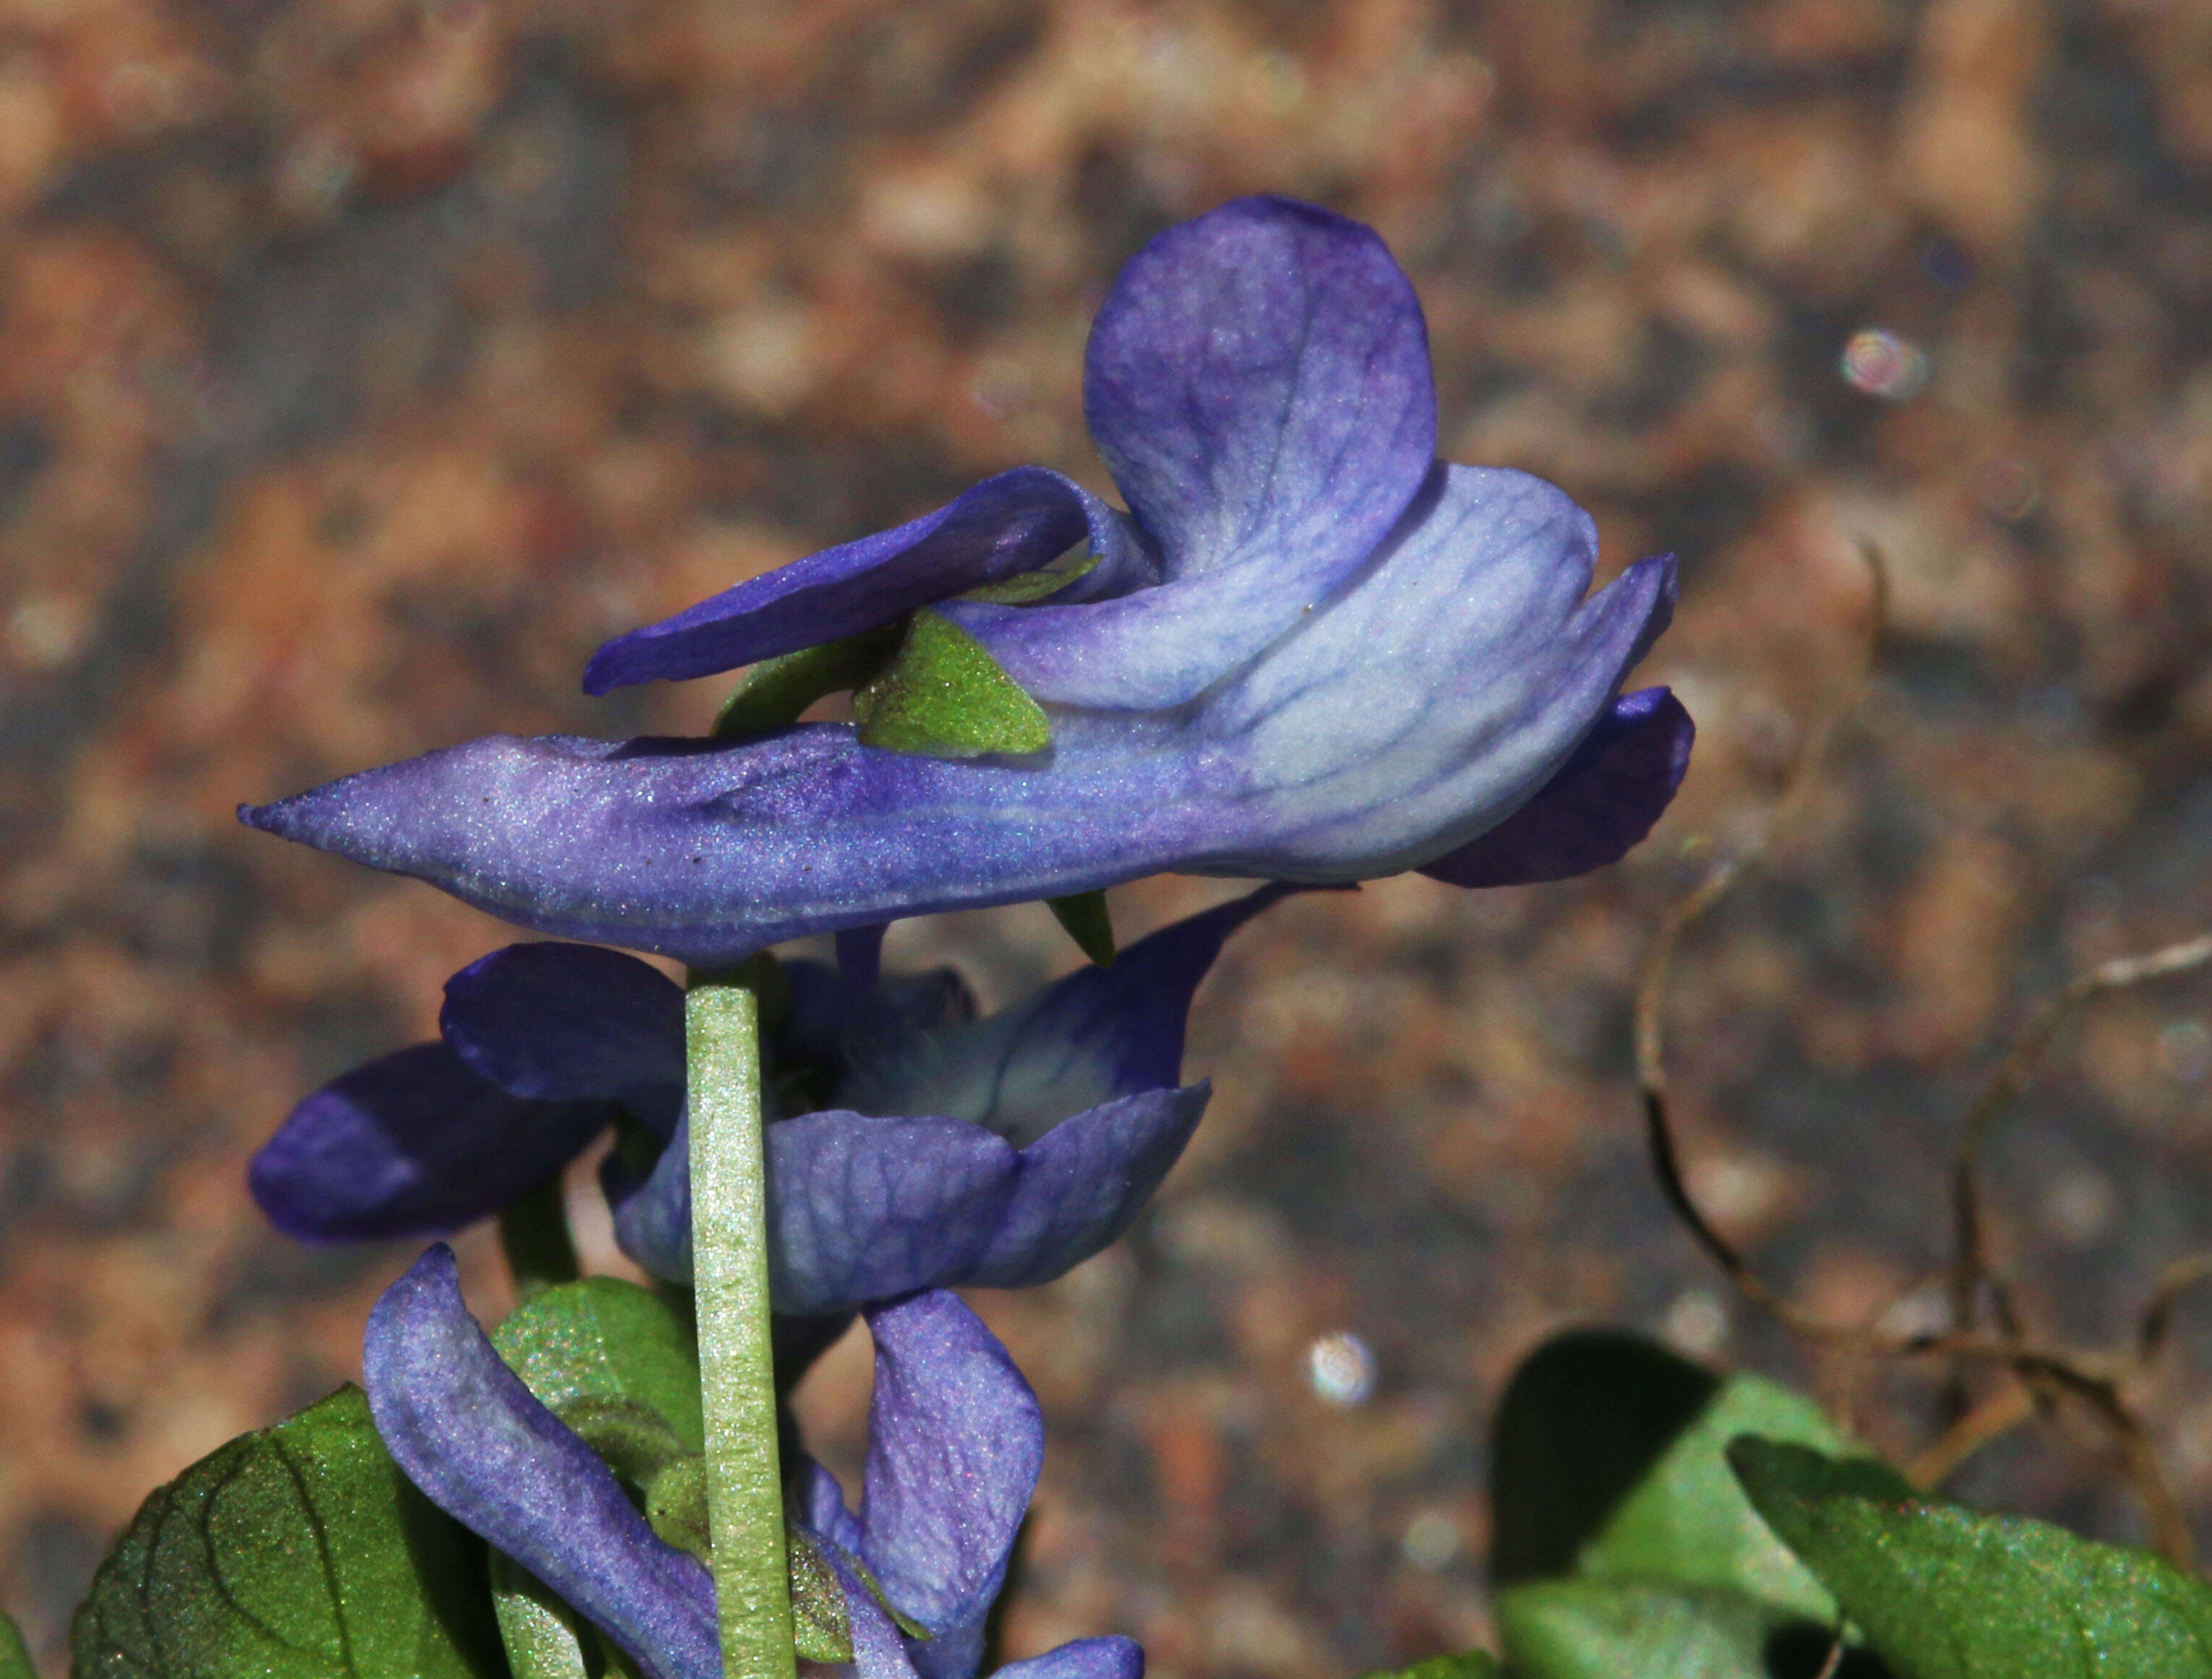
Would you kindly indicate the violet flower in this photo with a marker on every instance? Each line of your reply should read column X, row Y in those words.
column 1309, row 652
column 955, row 1441
column 945, row 1148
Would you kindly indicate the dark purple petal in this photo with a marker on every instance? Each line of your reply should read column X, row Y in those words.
column 566, row 1022
column 954, row 1442
column 1258, row 381
column 1085, row 1659
column 867, row 1209
column 1083, row 1183
column 469, row 1434
column 652, row 1213
column 1007, row 524
column 828, row 1012
column 1098, row 1034
column 1460, row 672
column 413, row 1144
column 1604, row 799
column 860, row 955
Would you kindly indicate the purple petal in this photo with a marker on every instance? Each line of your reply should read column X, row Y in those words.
column 820, row 1502
column 1083, row 1183
column 1098, row 1034
column 954, row 1442
column 829, row 1011
column 1603, row 801
column 1258, row 382
column 469, row 1434
column 879, row 1650
column 570, row 1022
column 708, row 852
column 413, row 1144
column 867, row 1209
column 1085, row 1659
column 1459, row 673
column 1007, row 524
column 859, row 1208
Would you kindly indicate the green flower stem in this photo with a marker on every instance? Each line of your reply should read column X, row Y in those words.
column 729, row 1266
column 533, row 1231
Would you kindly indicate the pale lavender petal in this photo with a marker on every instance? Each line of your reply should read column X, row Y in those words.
column 1085, row 1659
column 1005, row 526
column 472, row 1436
column 413, row 1144
column 954, row 1442
column 1084, row 1183
column 571, row 1022
column 1258, row 382
column 1604, row 800
column 867, row 1209
column 1100, row 1033
column 1460, row 669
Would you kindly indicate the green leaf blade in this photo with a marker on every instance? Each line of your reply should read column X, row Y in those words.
column 1467, row 1664
column 14, row 1654
column 1945, row 1593
column 1583, row 1629
column 298, row 1552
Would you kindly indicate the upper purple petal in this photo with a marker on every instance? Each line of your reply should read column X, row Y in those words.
column 708, row 851
column 469, row 1433
column 955, row 1443
column 1604, row 799
column 1258, row 382
column 1014, row 523
column 413, row 1144
column 570, row 1022
column 1448, row 681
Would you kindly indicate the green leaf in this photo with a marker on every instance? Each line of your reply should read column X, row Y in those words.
column 821, row 1620
column 945, row 695
column 15, row 1655
column 772, row 694
column 606, row 1342
column 1687, row 1521
column 1583, row 1629
column 545, row 1638
column 1084, row 917
column 1584, row 1417
column 1469, row 1664
column 1943, row 1592
column 298, row 1552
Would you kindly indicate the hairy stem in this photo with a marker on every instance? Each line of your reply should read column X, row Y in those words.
column 729, row 1263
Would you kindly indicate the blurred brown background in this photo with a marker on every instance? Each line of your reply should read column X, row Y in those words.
column 364, row 362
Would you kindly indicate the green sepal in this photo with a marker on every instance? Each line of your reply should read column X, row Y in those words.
column 14, row 1654
column 1469, row 1664
column 1085, row 917
column 300, row 1552
column 821, row 1620
column 545, row 1638
column 1029, row 587
column 945, row 695
column 1941, row 1591
column 606, row 1342
column 772, row 694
